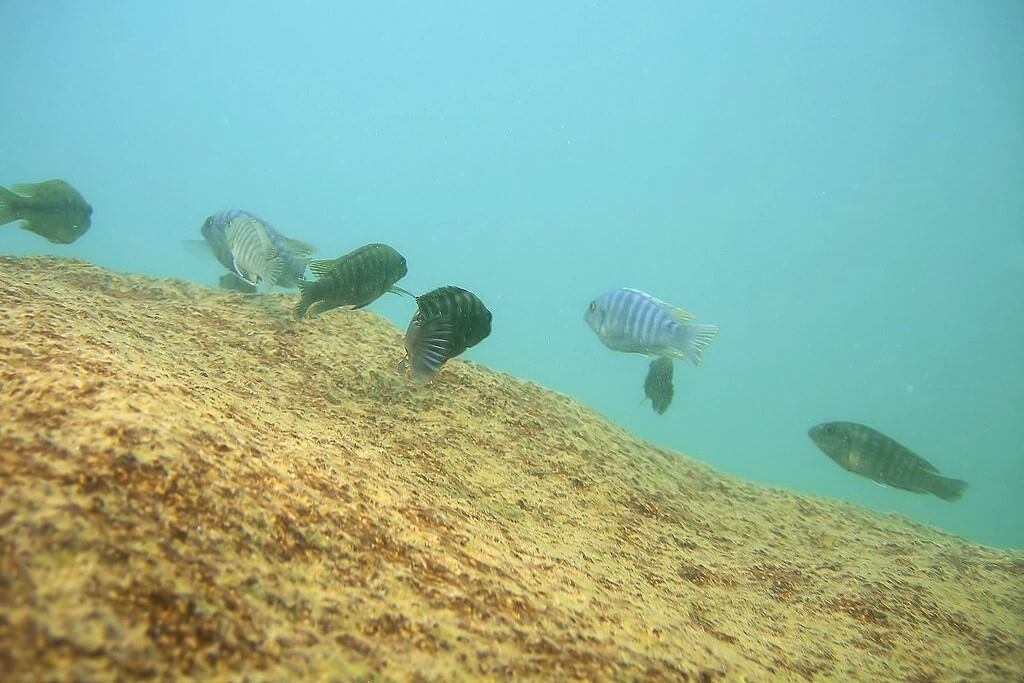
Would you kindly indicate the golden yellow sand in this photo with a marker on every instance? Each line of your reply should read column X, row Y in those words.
column 195, row 485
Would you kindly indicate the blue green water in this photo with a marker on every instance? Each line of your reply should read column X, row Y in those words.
column 840, row 187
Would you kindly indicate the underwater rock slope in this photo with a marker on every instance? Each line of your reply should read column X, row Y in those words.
column 194, row 484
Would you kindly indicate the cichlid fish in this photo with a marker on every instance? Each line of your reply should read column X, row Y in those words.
column 658, row 385
column 293, row 254
column 869, row 453
column 635, row 322
column 356, row 279
column 448, row 320
column 52, row 209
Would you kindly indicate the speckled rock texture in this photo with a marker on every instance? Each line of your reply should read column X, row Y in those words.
column 195, row 485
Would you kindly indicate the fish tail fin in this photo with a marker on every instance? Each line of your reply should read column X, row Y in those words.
column 309, row 294
column 947, row 488
column 693, row 339
column 8, row 206
column 427, row 344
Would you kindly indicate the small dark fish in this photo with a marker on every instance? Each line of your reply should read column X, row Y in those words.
column 253, row 250
column 869, row 453
column 448, row 320
column 356, row 279
column 52, row 209
column 236, row 284
column 658, row 385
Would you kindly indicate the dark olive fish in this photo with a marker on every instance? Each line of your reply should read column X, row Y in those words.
column 658, row 385
column 52, row 209
column 869, row 453
column 356, row 279
column 448, row 320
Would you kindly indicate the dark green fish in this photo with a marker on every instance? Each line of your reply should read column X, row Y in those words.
column 356, row 279
column 52, row 209
column 658, row 385
column 448, row 320
column 869, row 453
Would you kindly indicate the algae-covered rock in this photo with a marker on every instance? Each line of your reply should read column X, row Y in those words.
column 196, row 485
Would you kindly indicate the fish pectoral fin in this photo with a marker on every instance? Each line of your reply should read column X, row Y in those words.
column 320, row 268
column 429, row 350
column 298, row 248
column 272, row 273
column 198, row 247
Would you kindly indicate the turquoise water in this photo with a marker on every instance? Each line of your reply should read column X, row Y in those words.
column 838, row 187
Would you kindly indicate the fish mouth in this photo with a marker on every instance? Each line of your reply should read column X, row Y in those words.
column 815, row 433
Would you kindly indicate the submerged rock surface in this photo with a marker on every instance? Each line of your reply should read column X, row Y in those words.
column 194, row 484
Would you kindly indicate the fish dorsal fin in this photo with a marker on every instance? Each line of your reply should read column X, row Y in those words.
column 320, row 268
column 395, row 289
column 298, row 248
column 678, row 314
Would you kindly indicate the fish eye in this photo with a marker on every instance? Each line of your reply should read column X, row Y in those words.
column 593, row 306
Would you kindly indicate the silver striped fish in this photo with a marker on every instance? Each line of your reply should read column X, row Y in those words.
column 254, row 256
column 633, row 321
column 295, row 253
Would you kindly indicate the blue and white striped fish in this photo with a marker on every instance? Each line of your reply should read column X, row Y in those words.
column 256, row 247
column 635, row 322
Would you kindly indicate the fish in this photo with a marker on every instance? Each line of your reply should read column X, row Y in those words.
column 869, row 453
column 355, row 279
column 254, row 257
column 235, row 283
column 448, row 320
column 658, row 385
column 294, row 254
column 633, row 321
column 52, row 209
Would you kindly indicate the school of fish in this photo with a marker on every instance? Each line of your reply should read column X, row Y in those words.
column 450, row 320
